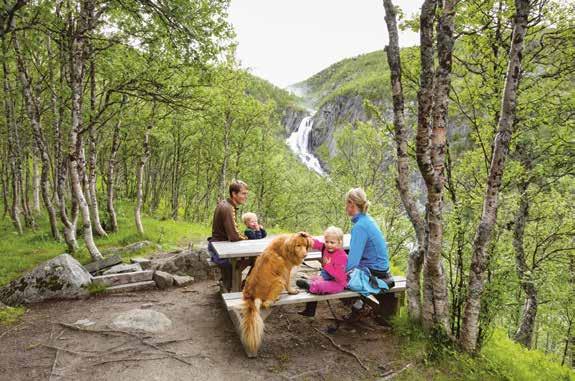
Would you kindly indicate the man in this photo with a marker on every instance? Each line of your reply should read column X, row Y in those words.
column 225, row 227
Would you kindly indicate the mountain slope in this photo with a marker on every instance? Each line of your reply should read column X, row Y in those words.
column 339, row 93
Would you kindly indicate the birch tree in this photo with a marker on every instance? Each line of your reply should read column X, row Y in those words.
column 415, row 260
column 76, row 166
column 480, row 259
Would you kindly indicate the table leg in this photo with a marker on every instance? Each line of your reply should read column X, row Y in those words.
column 236, row 276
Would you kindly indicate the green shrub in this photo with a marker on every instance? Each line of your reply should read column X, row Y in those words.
column 500, row 359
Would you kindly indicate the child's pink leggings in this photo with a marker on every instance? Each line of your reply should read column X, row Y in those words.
column 319, row 285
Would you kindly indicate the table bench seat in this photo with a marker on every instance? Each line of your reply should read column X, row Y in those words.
column 233, row 300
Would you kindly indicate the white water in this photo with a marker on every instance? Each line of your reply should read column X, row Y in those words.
column 299, row 143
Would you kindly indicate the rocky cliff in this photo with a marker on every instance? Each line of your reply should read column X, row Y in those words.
column 291, row 119
column 342, row 109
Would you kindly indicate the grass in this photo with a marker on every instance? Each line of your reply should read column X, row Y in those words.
column 96, row 288
column 19, row 254
column 11, row 315
column 500, row 359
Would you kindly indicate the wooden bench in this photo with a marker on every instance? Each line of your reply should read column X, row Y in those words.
column 392, row 300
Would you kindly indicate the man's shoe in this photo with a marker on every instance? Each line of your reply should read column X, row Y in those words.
column 303, row 284
column 309, row 309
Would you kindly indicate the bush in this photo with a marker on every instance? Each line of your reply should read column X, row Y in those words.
column 500, row 359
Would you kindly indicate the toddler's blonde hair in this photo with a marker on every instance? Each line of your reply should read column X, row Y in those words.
column 248, row 216
column 333, row 230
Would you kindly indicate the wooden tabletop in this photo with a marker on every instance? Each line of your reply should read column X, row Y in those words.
column 254, row 247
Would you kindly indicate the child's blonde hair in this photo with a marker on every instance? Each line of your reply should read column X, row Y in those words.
column 333, row 230
column 248, row 216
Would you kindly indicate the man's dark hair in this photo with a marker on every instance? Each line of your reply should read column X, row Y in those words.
column 236, row 186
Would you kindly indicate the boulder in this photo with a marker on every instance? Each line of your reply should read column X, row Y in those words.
column 163, row 280
column 123, row 268
column 192, row 263
column 62, row 277
column 144, row 320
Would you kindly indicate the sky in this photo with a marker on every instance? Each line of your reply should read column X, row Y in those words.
column 287, row 41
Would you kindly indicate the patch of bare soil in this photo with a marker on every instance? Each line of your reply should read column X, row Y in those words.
column 201, row 343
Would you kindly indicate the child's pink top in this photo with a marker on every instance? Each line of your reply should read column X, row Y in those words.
column 333, row 263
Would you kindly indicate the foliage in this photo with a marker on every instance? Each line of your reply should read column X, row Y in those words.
column 500, row 358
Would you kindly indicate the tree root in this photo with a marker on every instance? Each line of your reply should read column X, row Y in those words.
column 343, row 349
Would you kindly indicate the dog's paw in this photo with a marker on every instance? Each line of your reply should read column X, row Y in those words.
column 293, row 291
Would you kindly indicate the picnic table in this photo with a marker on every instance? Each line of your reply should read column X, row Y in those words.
column 234, row 251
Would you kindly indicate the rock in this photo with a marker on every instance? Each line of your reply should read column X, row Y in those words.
column 181, row 281
column 341, row 108
column 192, row 263
column 61, row 277
column 145, row 263
column 84, row 322
column 292, row 118
column 123, row 268
column 163, row 280
column 144, row 320
column 136, row 246
column 131, row 248
column 2, row 306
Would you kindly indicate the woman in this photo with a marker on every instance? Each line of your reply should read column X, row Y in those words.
column 368, row 249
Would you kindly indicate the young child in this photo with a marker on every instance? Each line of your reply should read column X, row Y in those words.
column 254, row 229
column 333, row 278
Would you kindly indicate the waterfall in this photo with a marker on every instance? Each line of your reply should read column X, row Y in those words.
column 299, row 143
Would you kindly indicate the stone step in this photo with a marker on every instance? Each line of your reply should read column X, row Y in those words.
column 138, row 286
column 124, row 278
column 93, row 267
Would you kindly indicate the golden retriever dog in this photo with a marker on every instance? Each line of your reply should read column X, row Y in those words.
column 272, row 273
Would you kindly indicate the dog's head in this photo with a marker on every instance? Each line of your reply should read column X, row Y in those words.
column 297, row 245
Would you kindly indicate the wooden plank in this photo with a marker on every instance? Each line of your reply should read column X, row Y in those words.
column 124, row 278
column 253, row 248
column 92, row 267
column 313, row 256
column 234, row 300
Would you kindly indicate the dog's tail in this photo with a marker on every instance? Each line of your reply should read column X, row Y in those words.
column 252, row 325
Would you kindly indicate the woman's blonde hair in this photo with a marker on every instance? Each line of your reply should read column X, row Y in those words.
column 249, row 216
column 333, row 230
column 359, row 198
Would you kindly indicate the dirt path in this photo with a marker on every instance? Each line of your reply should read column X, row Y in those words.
column 201, row 343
